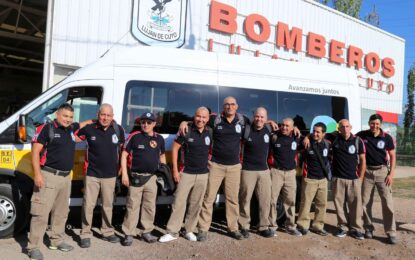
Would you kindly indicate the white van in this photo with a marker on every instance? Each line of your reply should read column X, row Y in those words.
column 172, row 83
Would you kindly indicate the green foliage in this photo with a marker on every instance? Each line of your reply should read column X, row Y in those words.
column 349, row 7
column 409, row 112
column 324, row 2
column 405, row 146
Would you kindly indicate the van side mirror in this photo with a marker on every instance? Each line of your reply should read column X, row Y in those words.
column 21, row 125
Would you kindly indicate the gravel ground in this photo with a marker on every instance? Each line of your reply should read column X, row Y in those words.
column 220, row 246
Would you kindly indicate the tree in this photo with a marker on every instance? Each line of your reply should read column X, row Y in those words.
column 324, row 2
column 372, row 17
column 409, row 119
column 349, row 7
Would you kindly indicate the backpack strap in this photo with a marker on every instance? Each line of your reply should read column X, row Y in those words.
column 274, row 138
column 117, row 130
column 189, row 130
column 320, row 159
column 217, row 121
column 241, row 119
column 268, row 127
column 51, row 132
column 357, row 141
column 210, row 131
column 247, row 132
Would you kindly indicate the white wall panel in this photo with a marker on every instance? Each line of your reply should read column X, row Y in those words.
column 85, row 29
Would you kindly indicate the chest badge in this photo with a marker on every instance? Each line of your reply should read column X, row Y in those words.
column 72, row 135
column 207, row 140
column 352, row 149
column 381, row 144
column 219, row 127
column 140, row 146
column 293, row 146
column 325, row 152
column 238, row 128
column 190, row 140
column 114, row 139
column 153, row 144
column 266, row 138
column 93, row 138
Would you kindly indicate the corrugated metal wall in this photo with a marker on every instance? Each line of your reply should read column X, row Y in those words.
column 84, row 29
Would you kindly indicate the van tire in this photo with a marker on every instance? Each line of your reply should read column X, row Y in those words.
column 14, row 211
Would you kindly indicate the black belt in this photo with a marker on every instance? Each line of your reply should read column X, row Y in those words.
column 55, row 171
column 283, row 169
column 375, row 167
column 142, row 173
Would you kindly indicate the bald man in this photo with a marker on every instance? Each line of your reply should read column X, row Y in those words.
column 284, row 147
column 255, row 175
column 225, row 167
column 349, row 165
column 192, row 180
column 104, row 138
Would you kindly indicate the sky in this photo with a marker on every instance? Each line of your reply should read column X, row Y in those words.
column 396, row 17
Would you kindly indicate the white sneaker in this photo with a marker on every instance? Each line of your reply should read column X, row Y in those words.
column 190, row 236
column 167, row 238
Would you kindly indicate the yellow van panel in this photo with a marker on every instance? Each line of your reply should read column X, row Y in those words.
column 23, row 161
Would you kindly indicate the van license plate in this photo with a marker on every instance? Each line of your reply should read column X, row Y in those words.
column 6, row 157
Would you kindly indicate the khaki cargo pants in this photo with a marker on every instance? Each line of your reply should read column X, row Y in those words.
column 52, row 198
column 260, row 182
column 376, row 178
column 313, row 190
column 350, row 192
column 93, row 187
column 231, row 176
column 285, row 182
column 140, row 200
column 190, row 190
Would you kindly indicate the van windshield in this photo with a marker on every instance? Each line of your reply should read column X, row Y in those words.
column 173, row 103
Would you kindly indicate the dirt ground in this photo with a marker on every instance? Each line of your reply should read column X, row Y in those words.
column 220, row 246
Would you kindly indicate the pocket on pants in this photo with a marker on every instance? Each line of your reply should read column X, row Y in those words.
column 40, row 199
column 38, row 208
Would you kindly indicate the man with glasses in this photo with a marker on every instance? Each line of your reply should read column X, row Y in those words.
column 142, row 155
column 225, row 167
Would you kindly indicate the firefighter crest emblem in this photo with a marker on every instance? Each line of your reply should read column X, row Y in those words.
column 159, row 22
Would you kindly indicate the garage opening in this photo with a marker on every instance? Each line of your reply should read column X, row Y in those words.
column 22, row 48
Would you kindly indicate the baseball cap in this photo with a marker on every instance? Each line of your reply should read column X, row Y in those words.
column 148, row 116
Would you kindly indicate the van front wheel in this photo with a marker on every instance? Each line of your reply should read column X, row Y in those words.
column 13, row 211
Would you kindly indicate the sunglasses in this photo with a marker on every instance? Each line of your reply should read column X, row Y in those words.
column 146, row 122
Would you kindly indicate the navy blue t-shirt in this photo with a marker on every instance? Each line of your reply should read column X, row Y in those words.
column 345, row 155
column 195, row 147
column 144, row 151
column 376, row 147
column 58, row 154
column 284, row 151
column 256, row 149
column 312, row 167
column 227, row 140
column 102, row 156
